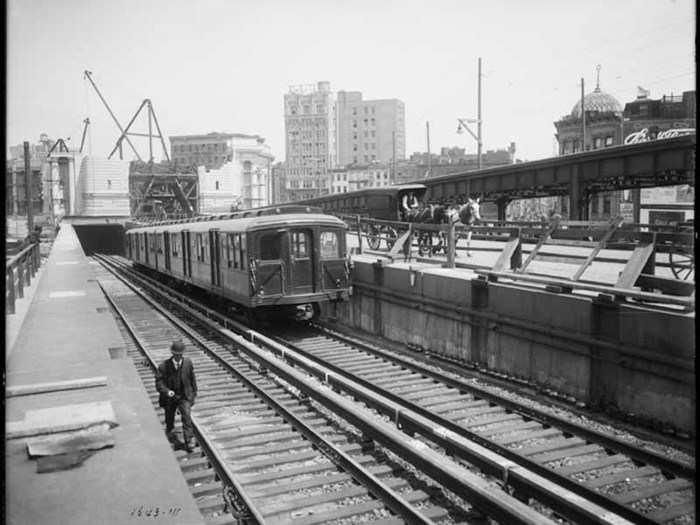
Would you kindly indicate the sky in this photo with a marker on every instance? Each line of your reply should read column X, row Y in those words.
column 225, row 65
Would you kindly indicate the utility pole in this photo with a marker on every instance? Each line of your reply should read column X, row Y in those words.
column 427, row 135
column 583, row 121
column 478, row 119
column 393, row 155
column 463, row 123
column 28, row 188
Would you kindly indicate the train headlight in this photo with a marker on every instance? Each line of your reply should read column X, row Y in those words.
column 261, row 292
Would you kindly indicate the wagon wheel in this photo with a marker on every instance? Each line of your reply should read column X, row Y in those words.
column 682, row 263
column 391, row 236
column 373, row 237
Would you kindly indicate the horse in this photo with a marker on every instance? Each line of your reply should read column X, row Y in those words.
column 468, row 215
column 432, row 214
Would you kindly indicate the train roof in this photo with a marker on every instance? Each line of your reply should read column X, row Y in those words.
column 381, row 190
column 245, row 223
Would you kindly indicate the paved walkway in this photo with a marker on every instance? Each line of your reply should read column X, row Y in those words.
column 67, row 335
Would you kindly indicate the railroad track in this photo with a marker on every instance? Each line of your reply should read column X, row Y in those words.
column 636, row 483
column 265, row 452
column 478, row 418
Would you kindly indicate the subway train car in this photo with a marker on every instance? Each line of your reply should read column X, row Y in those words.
column 271, row 261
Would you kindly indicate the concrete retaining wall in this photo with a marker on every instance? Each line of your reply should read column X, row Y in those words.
column 607, row 354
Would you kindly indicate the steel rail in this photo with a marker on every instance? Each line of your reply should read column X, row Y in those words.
column 666, row 464
column 376, row 487
column 557, row 491
column 560, row 498
column 219, row 463
column 481, row 493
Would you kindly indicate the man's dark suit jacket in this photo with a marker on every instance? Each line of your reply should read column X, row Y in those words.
column 166, row 379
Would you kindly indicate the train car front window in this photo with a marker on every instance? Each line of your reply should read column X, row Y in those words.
column 330, row 247
column 300, row 244
column 270, row 246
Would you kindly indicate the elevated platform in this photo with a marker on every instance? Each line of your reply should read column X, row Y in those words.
column 68, row 334
column 584, row 345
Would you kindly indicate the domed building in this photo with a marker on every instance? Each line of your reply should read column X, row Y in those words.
column 603, row 123
column 604, row 128
column 598, row 102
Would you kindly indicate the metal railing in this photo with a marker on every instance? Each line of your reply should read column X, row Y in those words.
column 19, row 271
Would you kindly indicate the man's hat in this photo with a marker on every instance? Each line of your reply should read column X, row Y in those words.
column 177, row 347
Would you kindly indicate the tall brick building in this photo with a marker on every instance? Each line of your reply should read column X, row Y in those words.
column 310, row 140
column 370, row 130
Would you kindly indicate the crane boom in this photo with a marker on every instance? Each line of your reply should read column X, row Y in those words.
column 82, row 140
column 88, row 75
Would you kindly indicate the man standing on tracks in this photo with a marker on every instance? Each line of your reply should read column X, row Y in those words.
column 177, row 386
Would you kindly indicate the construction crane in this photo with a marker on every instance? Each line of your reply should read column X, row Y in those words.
column 152, row 119
column 88, row 75
column 82, row 140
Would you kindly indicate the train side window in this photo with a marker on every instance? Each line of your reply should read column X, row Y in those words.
column 243, row 249
column 205, row 247
column 200, row 248
column 174, row 243
column 330, row 247
column 225, row 248
column 300, row 244
column 236, row 238
column 270, row 244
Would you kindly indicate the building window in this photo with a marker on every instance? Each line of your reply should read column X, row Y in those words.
column 354, row 124
column 606, row 204
column 373, row 133
column 354, row 111
column 608, row 141
column 366, row 133
column 217, row 184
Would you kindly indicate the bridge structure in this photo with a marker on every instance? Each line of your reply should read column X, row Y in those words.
column 664, row 162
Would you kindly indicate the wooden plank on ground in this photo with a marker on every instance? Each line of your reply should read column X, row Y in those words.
column 398, row 246
column 635, row 265
column 62, row 419
column 666, row 284
column 506, row 257
column 56, row 386
column 546, row 234
column 614, row 225
column 92, row 438
column 565, row 283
